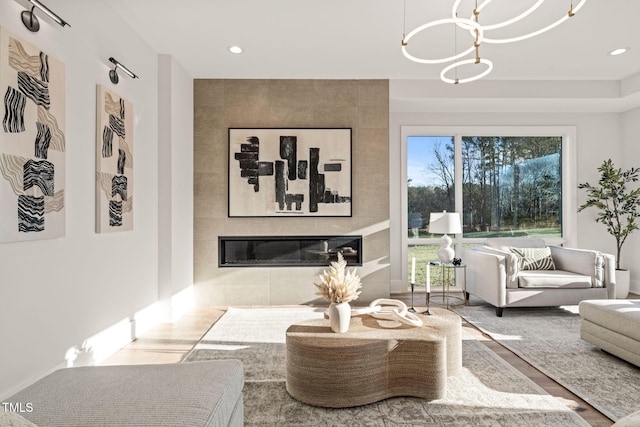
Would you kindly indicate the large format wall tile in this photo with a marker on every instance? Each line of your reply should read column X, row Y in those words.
column 221, row 104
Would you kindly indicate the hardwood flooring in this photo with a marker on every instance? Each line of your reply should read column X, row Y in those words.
column 170, row 343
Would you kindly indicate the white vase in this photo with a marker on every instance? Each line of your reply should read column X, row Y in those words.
column 339, row 316
column 623, row 277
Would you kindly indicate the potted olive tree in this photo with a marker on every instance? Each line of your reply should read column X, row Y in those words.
column 618, row 210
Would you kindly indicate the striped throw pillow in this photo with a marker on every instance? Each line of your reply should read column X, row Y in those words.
column 534, row 258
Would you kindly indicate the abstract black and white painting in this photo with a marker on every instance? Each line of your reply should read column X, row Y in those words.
column 289, row 172
column 114, row 162
column 32, row 142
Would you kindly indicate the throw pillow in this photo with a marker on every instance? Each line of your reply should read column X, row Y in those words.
column 534, row 258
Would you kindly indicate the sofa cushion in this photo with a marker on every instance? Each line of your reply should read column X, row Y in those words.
column 534, row 258
column 182, row 394
column 631, row 420
column 582, row 261
column 621, row 315
column 552, row 279
column 14, row 419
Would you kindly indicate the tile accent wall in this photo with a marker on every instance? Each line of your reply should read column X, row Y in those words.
column 219, row 104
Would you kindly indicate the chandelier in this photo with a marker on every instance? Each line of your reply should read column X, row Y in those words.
column 480, row 34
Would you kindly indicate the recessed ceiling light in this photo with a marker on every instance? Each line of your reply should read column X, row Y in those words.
column 618, row 51
column 235, row 49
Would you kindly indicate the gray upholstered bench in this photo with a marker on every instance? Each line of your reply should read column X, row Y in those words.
column 631, row 420
column 191, row 394
column 612, row 325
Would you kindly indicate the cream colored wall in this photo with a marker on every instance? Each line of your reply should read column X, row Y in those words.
column 362, row 105
column 631, row 159
column 58, row 293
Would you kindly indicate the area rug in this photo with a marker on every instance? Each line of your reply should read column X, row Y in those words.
column 488, row 392
column 549, row 339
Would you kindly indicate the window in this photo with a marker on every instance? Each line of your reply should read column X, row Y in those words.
column 430, row 180
column 505, row 181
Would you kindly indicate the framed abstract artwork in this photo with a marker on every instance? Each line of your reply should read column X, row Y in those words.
column 32, row 142
column 289, row 172
column 114, row 162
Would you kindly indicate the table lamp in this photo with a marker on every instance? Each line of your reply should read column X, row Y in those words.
column 445, row 223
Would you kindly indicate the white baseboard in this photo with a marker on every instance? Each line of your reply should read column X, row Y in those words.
column 397, row 286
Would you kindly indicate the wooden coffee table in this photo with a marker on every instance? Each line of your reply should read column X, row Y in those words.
column 374, row 360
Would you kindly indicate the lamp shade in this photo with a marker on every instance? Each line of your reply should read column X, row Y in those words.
column 445, row 223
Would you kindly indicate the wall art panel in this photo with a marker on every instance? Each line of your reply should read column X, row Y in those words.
column 289, row 172
column 114, row 162
column 32, row 142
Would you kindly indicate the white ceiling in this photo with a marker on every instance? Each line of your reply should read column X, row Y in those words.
column 565, row 69
column 356, row 39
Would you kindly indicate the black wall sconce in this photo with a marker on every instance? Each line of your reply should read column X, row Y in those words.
column 113, row 74
column 30, row 20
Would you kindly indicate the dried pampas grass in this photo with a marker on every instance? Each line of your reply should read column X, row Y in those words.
column 337, row 284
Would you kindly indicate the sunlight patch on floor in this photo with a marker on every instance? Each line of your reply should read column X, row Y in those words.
column 223, row 347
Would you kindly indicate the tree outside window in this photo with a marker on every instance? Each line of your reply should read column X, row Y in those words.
column 511, row 186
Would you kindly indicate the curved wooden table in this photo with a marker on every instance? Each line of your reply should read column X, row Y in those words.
column 374, row 360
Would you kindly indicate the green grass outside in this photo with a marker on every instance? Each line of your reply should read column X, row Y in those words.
column 532, row 232
column 424, row 254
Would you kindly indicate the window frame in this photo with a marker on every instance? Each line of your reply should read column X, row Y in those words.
column 569, row 177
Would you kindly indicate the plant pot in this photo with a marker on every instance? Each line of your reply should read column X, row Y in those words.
column 623, row 278
column 340, row 316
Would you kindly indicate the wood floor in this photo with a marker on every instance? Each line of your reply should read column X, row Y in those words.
column 169, row 343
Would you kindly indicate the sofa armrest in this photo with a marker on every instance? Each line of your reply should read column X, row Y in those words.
column 586, row 262
column 486, row 276
column 610, row 275
column 511, row 264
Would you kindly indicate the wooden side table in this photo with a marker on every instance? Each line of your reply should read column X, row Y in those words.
column 376, row 359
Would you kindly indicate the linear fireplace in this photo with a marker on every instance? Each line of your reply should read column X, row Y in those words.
column 287, row 251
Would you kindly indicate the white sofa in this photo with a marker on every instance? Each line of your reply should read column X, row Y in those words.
column 494, row 275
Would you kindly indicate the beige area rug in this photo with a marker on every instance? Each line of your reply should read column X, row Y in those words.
column 549, row 339
column 488, row 392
